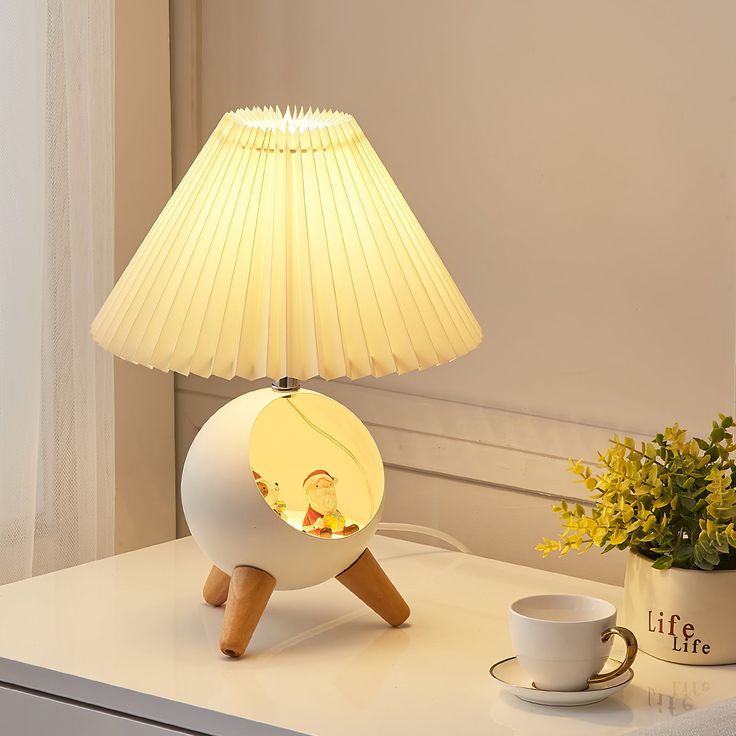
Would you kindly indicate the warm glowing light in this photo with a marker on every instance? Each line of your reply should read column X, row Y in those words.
column 287, row 250
column 329, row 477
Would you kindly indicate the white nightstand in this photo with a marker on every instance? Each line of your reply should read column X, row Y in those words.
column 125, row 647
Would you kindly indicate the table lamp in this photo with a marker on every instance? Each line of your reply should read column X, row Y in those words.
column 287, row 252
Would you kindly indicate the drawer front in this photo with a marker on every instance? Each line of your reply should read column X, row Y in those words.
column 27, row 714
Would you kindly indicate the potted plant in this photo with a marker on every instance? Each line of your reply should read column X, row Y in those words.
column 671, row 502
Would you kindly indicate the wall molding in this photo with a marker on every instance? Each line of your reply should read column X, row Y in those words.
column 428, row 435
column 145, row 490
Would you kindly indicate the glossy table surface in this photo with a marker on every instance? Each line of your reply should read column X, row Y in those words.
column 130, row 634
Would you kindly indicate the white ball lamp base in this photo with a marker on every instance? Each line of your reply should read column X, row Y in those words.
column 282, row 488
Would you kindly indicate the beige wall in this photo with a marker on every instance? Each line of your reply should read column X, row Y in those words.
column 573, row 163
column 144, row 400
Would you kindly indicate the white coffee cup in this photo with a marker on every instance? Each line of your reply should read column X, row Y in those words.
column 563, row 641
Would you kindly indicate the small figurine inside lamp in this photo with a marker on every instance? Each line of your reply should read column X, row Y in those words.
column 323, row 518
column 270, row 492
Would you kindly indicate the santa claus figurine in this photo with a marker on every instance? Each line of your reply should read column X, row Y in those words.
column 323, row 519
column 270, row 491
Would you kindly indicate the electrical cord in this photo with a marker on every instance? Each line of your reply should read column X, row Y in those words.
column 390, row 526
column 384, row 526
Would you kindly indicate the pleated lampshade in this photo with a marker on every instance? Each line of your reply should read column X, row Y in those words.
column 286, row 250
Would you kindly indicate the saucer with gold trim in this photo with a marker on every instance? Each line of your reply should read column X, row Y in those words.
column 509, row 673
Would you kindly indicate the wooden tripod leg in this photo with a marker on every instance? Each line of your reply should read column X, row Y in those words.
column 216, row 587
column 367, row 580
column 250, row 589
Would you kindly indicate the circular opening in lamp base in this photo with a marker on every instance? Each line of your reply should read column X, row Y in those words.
column 316, row 466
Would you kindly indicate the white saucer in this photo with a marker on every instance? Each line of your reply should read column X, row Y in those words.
column 513, row 678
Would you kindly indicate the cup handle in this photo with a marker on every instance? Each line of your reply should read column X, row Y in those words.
column 631, row 649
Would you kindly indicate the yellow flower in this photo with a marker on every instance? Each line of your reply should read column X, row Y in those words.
column 673, row 495
column 577, row 467
column 676, row 437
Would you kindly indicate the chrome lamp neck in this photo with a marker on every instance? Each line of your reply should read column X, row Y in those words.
column 287, row 384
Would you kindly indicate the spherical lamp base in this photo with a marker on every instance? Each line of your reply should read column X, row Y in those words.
column 282, row 490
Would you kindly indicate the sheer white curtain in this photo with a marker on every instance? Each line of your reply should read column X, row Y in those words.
column 56, row 267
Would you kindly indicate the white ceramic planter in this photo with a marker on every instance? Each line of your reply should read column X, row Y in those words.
column 684, row 616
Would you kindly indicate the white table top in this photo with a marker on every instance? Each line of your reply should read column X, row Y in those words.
column 131, row 634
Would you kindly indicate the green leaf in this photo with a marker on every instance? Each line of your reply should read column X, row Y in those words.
column 663, row 563
column 721, row 543
column 619, row 537
column 688, row 502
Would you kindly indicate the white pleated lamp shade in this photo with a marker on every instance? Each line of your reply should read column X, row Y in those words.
column 286, row 250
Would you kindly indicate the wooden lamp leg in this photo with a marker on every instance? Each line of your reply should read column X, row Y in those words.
column 216, row 587
column 250, row 589
column 367, row 580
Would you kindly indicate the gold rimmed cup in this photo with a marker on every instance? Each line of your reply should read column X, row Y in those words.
column 564, row 641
